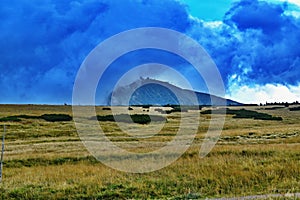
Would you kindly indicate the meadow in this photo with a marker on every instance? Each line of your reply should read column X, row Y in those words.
column 45, row 159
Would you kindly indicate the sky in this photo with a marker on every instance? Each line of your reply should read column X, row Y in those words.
column 254, row 43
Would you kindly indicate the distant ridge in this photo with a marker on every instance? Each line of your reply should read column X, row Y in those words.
column 154, row 92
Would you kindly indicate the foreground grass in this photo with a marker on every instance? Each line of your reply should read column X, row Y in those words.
column 46, row 160
column 225, row 173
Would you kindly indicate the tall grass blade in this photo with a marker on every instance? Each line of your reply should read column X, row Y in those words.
column 2, row 152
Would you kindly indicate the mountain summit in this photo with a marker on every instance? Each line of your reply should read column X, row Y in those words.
column 154, row 92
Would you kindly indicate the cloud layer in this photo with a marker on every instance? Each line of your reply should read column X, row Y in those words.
column 255, row 46
column 44, row 42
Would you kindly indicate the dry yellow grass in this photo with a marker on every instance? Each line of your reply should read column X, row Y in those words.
column 46, row 160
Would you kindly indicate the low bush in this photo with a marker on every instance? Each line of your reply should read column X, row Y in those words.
column 146, row 106
column 185, row 108
column 46, row 117
column 242, row 113
column 295, row 109
column 10, row 119
column 178, row 108
column 274, row 108
column 159, row 110
column 56, row 117
column 136, row 118
column 218, row 111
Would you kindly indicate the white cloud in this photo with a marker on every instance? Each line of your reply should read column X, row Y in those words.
column 297, row 2
column 213, row 24
column 293, row 8
column 264, row 93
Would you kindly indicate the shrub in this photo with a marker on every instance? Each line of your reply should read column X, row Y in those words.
column 295, row 109
column 218, row 111
column 159, row 110
column 10, row 119
column 178, row 108
column 28, row 117
column 136, row 118
column 274, row 108
column 146, row 106
column 243, row 113
column 56, row 117
column 47, row 117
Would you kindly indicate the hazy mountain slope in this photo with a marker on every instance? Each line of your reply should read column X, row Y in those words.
column 154, row 92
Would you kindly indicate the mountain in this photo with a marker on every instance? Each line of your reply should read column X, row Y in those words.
column 154, row 92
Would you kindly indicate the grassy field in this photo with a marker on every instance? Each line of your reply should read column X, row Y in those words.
column 47, row 160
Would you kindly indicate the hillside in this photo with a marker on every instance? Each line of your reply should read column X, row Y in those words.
column 155, row 92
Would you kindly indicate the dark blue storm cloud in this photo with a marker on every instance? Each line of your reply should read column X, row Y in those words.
column 44, row 42
column 257, row 15
column 257, row 43
column 269, row 44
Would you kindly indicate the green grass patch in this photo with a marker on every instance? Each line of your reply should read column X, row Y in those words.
column 31, row 162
